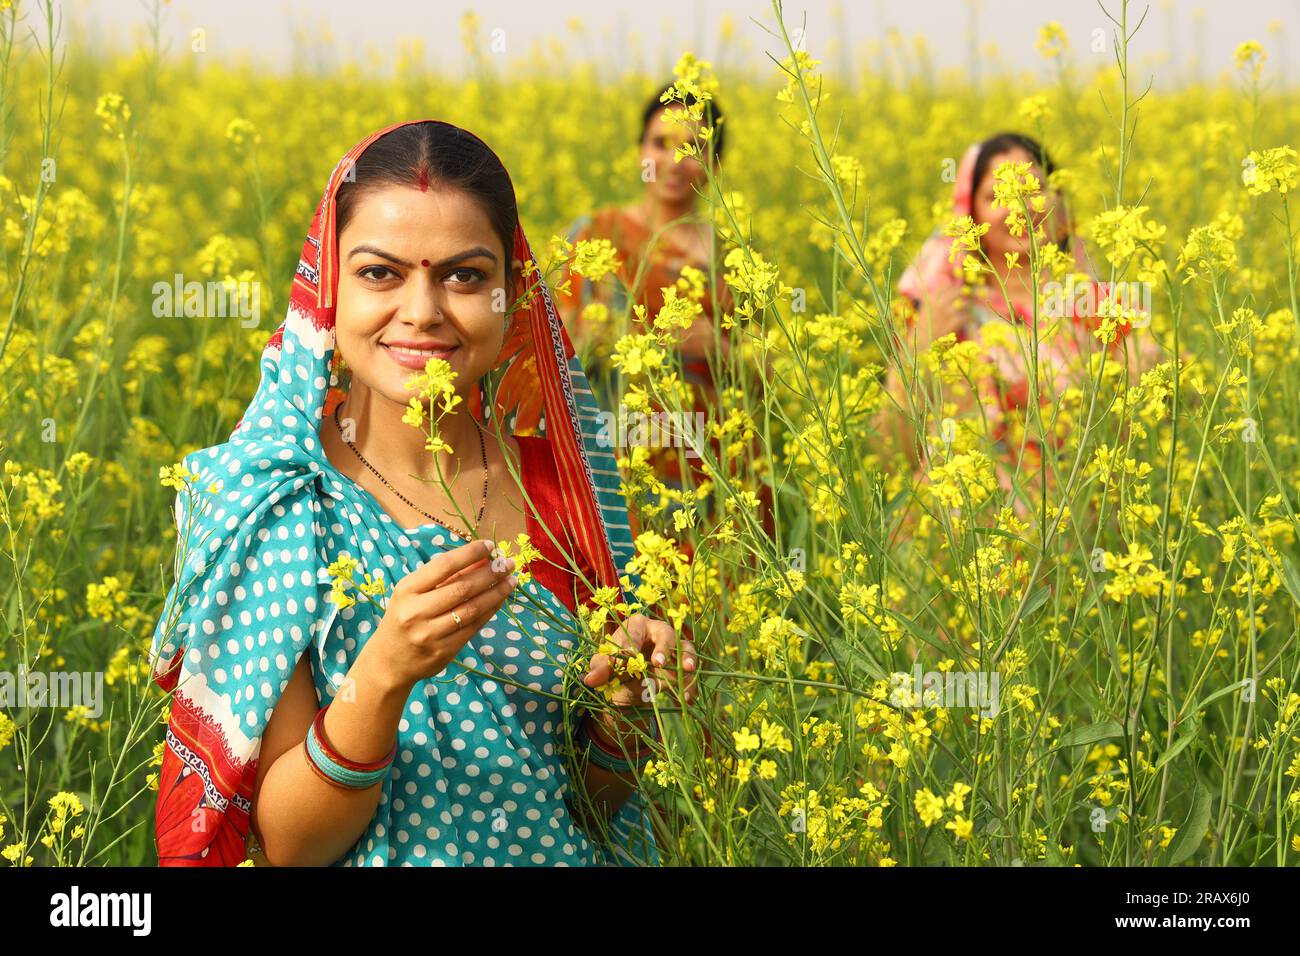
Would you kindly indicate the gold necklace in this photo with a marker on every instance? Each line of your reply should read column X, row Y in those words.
column 434, row 518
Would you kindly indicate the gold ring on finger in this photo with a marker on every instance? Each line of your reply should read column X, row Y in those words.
column 455, row 616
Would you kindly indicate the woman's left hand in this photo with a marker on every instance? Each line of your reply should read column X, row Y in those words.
column 698, row 338
column 658, row 643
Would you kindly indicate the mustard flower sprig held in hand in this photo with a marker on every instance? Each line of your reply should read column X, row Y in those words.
column 608, row 606
column 343, row 575
column 435, row 385
column 628, row 666
column 522, row 551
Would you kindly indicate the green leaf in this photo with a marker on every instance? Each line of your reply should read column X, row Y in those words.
column 1179, row 746
column 798, row 533
column 1090, row 734
column 894, row 503
column 1191, row 834
column 1291, row 578
column 999, row 533
column 916, row 632
column 1200, row 705
column 1087, row 604
column 1036, row 600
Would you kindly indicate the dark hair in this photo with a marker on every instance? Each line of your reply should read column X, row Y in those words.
column 713, row 114
column 435, row 154
column 1004, row 142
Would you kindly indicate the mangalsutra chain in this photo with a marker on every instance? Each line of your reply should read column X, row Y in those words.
column 482, row 447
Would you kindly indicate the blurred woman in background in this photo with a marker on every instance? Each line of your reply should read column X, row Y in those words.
column 662, row 240
column 938, row 301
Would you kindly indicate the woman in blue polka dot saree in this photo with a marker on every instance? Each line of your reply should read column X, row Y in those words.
column 357, row 677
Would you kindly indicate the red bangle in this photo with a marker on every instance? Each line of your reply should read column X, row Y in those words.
column 334, row 755
column 600, row 739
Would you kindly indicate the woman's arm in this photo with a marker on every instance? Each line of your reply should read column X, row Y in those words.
column 606, row 790
column 302, row 820
column 298, row 818
column 893, row 421
column 938, row 315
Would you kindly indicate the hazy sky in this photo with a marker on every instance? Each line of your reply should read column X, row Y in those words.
column 1178, row 29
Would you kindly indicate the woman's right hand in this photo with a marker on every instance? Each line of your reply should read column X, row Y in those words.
column 418, row 636
column 941, row 313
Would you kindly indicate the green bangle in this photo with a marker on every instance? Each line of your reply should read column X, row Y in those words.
column 336, row 768
column 602, row 757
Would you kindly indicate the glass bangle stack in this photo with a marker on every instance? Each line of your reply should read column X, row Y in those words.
column 334, row 768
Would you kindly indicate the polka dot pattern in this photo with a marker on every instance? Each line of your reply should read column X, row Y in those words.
column 479, row 778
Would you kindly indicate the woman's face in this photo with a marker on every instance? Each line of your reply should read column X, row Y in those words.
column 421, row 275
column 998, row 240
column 674, row 183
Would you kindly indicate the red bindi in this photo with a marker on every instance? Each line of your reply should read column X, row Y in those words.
column 425, row 263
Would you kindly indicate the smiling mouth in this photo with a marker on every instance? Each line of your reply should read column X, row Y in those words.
column 416, row 358
column 402, row 350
